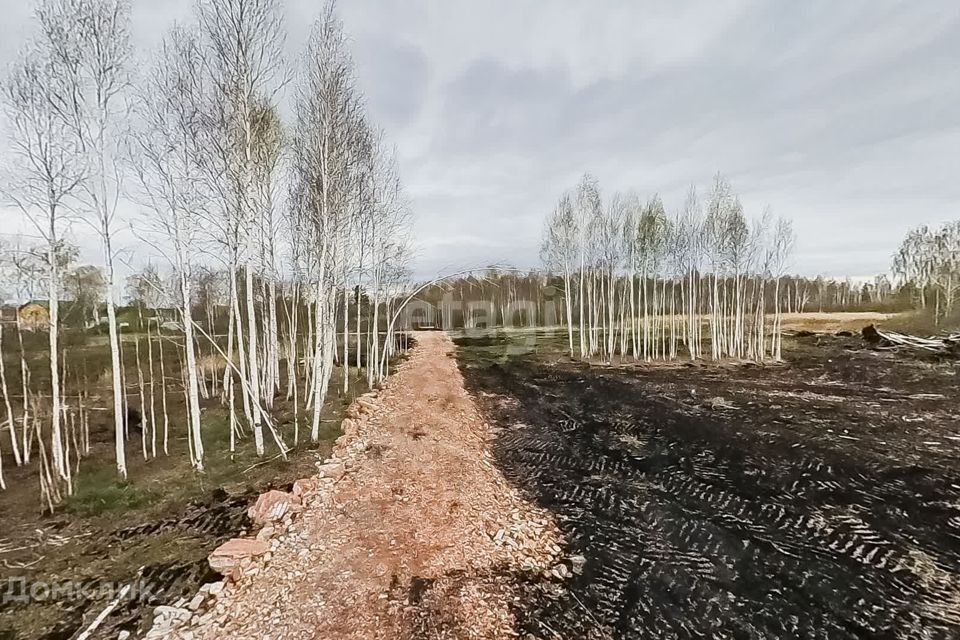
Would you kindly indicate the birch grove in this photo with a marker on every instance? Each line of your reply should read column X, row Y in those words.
column 928, row 262
column 344, row 186
column 273, row 202
column 641, row 283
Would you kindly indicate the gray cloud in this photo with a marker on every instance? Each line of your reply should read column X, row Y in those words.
column 394, row 77
column 844, row 118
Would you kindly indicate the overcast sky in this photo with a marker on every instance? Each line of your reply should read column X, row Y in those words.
column 844, row 116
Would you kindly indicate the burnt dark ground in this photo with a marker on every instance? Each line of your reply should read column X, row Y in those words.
column 815, row 499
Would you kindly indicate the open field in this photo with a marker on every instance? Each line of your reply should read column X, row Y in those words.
column 840, row 321
column 817, row 498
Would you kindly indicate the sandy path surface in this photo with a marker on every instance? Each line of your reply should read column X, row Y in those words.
column 423, row 538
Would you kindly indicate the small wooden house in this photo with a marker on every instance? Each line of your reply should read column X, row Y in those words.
column 34, row 316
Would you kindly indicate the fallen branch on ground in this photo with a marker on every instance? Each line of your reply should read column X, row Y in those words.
column 110, row 607
column 947, row 346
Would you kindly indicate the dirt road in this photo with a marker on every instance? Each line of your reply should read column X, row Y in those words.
column 422, row 539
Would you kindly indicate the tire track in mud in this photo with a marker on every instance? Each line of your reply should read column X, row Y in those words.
column 688, row 527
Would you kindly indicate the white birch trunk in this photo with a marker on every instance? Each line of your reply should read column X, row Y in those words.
column 193, row 391
column 11, row 424
column 53, row 286
column 253, row 377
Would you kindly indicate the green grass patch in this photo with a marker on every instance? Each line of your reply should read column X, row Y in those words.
column 97, row 495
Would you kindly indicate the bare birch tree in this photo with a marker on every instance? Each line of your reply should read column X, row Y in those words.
column 244, row 40
column 327, row 108
column 929, row 261
column 90, row 49
column 44, row 171
column 559, row 251
column 166, row 153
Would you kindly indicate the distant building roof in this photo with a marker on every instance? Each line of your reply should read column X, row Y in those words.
column 45, row 303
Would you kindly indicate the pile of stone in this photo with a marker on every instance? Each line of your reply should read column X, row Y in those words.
column 530, row 541
column 168, row 618
column 273, row 514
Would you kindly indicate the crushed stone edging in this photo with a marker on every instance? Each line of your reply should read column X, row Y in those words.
column 177, row 620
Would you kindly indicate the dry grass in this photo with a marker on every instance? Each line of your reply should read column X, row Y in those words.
column 818, row 322
column 837, row 321
column 210, row 364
